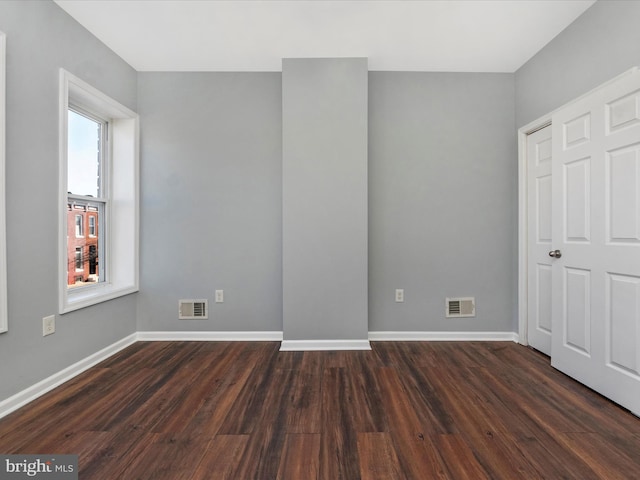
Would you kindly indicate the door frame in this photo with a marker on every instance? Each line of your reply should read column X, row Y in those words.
column 523, row 230
column 523, row 259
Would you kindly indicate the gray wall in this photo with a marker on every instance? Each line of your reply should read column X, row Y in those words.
column 443, row 200
column 597, row 46
column 211, row 199
column 41, row 38
column 324, row 198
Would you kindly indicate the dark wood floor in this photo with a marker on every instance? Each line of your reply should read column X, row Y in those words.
column 198, row 410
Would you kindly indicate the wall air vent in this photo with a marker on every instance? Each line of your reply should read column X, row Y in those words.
column 461, row 307
column 192, row 309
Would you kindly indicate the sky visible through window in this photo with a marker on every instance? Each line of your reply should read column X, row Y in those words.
column 83, row 155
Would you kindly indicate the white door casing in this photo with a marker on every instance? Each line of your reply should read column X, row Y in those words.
column 596, row 226
column 539, row 283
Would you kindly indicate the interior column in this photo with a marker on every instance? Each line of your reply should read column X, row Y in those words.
column 324, row 168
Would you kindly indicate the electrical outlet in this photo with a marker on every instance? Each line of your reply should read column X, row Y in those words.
column 48, row 325
column 399, row 295
column 219, row 296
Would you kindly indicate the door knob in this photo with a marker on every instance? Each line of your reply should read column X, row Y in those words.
column 555, row 253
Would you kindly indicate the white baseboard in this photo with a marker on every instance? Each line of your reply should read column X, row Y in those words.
column 444, row 336
column 293, row 345
column 316, row 345
column 210, row 336
column 29, row 394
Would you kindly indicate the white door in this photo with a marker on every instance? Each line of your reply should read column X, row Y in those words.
column 539, row 241
column 596, row 231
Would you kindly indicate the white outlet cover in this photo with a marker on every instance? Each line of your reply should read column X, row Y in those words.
column 48, row 325
column 219, row 296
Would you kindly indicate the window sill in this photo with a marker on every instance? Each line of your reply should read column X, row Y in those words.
column 93, row 295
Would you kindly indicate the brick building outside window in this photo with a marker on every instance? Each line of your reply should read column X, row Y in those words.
column 82, row 244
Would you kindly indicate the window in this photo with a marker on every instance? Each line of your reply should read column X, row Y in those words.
column 98, row 193
column 78, row 259
column 3, row 251
column 79, row 228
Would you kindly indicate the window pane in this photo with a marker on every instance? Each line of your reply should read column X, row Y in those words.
column 84, row 252
column 78, row 258
column 93, row 260
column 83, row 164
column 79, row 227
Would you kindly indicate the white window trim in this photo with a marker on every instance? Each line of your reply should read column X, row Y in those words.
column 4, row 316
column 121, row 236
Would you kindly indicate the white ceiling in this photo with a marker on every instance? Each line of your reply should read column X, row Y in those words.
column 396, row 35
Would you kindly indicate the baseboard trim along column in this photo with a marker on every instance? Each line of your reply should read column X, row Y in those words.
column 317, row 345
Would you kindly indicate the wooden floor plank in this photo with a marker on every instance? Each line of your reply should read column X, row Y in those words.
column 186, row 395
column 533, row 437
column 489, row 437
column 459, row 459
column 305, row 412
column 117, row 455
column 416, row 452
column 229, row 375
column 222, row 458
column 378, row 459
column 432, row 412
column 409, row 410
column 261, row 457
column 549, row 404
column 169, row 456
column 552, row 459
column 300, row 457
column 366, row 408
column 607, row 461
column 53, row 410
column 248, row 406
column 338, row 445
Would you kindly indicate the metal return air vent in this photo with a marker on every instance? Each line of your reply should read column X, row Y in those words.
column 192, row 309
column 461, row 307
